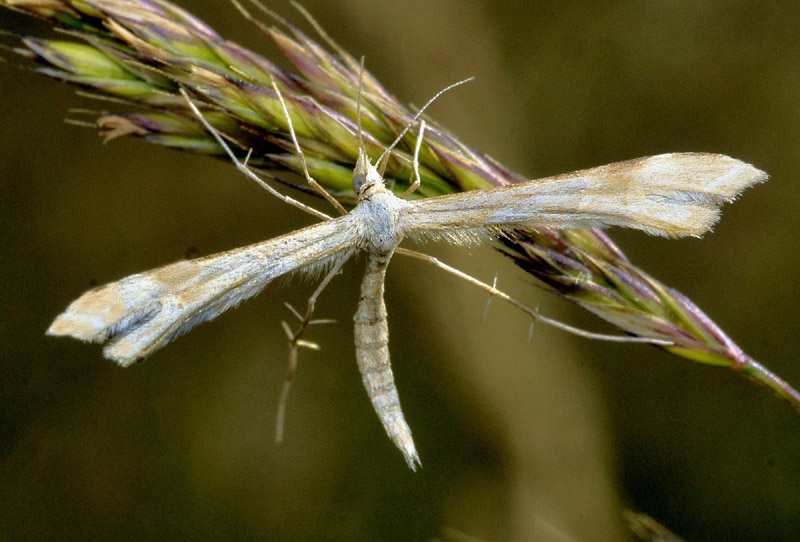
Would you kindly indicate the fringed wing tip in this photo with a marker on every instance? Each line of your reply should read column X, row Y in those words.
column 67, row 324
column 689, row 189
column 123, row 352
column 702, row 177
column 741, row 176
column 82, row 328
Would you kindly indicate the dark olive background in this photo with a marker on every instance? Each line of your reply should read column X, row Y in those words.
column 541, row 441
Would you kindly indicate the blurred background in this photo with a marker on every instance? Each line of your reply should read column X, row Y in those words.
column 548, row 440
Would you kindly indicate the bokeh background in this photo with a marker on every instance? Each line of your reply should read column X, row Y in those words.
column 543, row 441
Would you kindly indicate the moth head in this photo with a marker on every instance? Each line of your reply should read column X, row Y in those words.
column 365, row 175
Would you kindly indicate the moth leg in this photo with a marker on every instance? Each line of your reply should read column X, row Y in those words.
column 314, row 184
column 296, row 341
column 242, row 166
column 415, row 163
column 532, row 313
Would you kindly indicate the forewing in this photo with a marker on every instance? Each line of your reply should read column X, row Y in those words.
column 141, row 313
column 670, row 194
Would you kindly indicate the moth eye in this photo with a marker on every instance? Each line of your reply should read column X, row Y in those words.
column 358, row 181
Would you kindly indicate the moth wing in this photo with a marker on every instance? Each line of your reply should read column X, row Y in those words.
column 673, row 195
column 141, row 313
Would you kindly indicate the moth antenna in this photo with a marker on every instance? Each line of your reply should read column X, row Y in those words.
column 419, row 114
column 358, row 106
column 384, row 161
